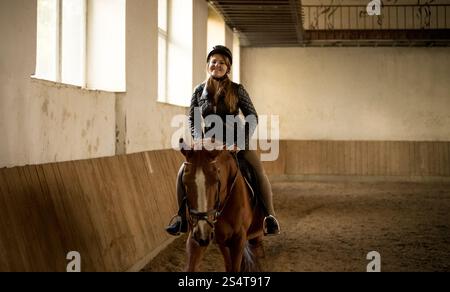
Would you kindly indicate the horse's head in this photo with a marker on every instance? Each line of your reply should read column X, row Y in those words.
column 202, row 184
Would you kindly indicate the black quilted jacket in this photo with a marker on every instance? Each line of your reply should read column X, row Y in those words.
column 202, row 102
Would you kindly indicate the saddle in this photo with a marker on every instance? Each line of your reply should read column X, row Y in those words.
column 250, row 177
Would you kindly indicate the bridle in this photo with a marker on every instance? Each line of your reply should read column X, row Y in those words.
column 210, row 216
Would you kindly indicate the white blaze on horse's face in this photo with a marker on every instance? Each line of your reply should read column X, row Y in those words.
column 200, row 182
column 202, row 202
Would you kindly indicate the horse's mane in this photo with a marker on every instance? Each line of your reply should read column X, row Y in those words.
column 208, row 144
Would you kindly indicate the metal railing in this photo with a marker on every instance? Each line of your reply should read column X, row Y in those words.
column 392, row 17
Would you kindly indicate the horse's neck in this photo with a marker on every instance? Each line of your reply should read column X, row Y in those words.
column 231, row 169
column 230, row 163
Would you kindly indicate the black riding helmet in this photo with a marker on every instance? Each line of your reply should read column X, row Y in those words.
column 221, row 50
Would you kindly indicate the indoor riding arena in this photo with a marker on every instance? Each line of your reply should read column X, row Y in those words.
column 353, row 100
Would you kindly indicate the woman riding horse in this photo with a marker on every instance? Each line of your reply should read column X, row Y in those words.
column 220, row 208
column 218, row 95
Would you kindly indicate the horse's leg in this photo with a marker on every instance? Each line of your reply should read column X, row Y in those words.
column 237, row 251
column 195, row 254
column 257, row 247
column 226, row 257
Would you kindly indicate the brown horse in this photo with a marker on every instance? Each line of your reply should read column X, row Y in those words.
column 219, row 208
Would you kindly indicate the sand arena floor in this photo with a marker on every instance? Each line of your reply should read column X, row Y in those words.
column 332, row 226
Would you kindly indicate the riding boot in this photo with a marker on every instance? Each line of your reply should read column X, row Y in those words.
column 271, row 225
column 178, row 224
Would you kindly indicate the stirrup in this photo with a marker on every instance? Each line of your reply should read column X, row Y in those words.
column 274, row 229
column 175, row 226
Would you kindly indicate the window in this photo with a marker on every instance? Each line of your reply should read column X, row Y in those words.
column 162, row 49
column 61, row 41
column 82, row 43
column 175, row 51
column 47, row 40
column 73, row 42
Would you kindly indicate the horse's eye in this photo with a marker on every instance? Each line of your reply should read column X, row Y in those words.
column 188, row 179
column 213, row 167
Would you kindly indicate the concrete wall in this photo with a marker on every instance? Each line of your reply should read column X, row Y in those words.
column 200, row 43
column 216, row 29
column 43, row 121
column 353, row 93
column 148, row 122
column 106, row 45
column 220, row 34
column 143, row 111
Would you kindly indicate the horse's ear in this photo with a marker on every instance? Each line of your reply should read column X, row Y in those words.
column 213, row 154
column 185, row 149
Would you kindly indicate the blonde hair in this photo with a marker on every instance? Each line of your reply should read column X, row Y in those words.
column 225, row 88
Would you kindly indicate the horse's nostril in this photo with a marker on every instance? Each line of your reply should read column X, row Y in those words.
column 203, row 242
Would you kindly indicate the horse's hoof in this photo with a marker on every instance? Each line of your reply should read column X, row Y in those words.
column 271, row 226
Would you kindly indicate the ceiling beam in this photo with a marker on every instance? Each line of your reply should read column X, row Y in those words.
column 298, row 20
column 282, row 23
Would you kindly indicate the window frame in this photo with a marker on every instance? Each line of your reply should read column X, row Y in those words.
column 178, row 49
column 163, row 35
column 83, row 45
column 57, row 75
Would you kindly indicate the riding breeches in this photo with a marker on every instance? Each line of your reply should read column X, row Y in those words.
column 264, row 183
column 181, row 195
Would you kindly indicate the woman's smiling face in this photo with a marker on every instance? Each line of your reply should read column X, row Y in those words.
column 217, row 66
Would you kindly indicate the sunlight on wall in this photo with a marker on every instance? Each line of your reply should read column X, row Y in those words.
column 236, row 59
column 216, row 29
column 180, row 52
column 106, row 45
column 73, row 43
column 47, row 40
